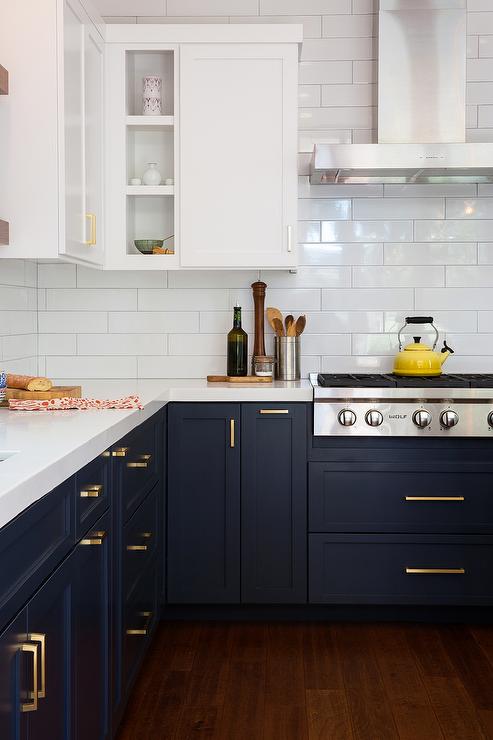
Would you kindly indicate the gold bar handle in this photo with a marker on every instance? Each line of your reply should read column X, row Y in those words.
column 143, row 463
column 95, row 538
column 106, row 453
column 144, row 630
column 232, row 433
column 434, row 498
column 91, row 491
column 274, row 411
column 435, row 571
column 92, row 239
column 120, row 452
column 38, row 637
column 137, row 548
column 146, row 535
column 31, row 706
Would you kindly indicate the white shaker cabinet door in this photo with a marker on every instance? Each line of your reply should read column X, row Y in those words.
column 81, row 236
column 238, row 177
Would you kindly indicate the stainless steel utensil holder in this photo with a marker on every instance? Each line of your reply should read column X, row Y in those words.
column 288, row 355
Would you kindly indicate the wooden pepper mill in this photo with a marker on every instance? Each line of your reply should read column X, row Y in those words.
column 258, row 290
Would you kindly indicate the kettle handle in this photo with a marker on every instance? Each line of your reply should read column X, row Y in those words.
column 418, row 320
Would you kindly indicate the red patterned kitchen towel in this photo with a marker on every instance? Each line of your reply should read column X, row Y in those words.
column 61, row 404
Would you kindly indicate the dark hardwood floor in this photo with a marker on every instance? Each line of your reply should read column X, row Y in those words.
column 313, row 681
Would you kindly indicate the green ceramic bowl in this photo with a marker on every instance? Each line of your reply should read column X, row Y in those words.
column 145, row 246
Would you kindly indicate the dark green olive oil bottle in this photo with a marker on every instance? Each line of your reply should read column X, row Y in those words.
column 237, row 347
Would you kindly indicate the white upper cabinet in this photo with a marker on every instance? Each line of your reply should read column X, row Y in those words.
column 226, row 141
column 238, row 178
column 51, row 130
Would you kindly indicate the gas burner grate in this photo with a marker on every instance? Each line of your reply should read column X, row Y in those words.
column 382, row 380
column 348, row 380
column 438, row 381
column 478, row 380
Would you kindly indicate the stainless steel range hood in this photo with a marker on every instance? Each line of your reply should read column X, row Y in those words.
column 421, row 104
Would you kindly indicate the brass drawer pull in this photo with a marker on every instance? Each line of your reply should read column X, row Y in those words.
column 232, row 433
column 31, row 706
column 144, row 631
column 120, row 452
column 146, row 535
column 137, row 548
column 274, row 411
column 435, row 498
column 435, row 571
column 95, row 538
column 38, row 637
column 92, row 238
column 143, row 463
column 91, row 491
column 106, row 453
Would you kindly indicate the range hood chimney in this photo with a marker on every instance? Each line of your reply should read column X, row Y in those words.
column 421, row 104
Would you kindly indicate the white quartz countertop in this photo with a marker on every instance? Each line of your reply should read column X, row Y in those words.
column 52, row 446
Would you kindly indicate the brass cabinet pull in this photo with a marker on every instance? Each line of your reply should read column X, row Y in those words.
column 434, row 498
column 274, row 411
column 120, row 452
column 435, row 571
column 38, row 637
column 137, row 548
column 31, row 706
column 143, row 463
column 92, row 239
column 146, row 535
column 91, row 491
column 232, row 433
column 95, row 538
column 144, row 630
column 106, row 453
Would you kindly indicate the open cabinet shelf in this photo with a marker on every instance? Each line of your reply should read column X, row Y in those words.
column 4, row 81
column 147, row 121
column 146, row 190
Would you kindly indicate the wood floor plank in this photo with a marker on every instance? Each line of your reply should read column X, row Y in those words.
column 486, row 721
column 454, row 709
column 429, row 651
column 243, row 714
column 471, row 664
column 328, row 715
column 285, row 722
column 369, row 709
column 209, row 672
column 249, row 642
column 196, row 723
column 322, row 668
column 285, row 682
column 409, row 701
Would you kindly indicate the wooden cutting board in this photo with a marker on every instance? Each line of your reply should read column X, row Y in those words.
column 58, row 391
column 244, row 379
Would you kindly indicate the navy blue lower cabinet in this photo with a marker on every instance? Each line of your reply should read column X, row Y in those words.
column 203, row 503
column 401, row 569
column 16, row 678
column 91, row 650
column 273, row 503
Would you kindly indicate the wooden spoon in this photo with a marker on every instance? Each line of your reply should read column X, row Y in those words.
column 300, row 325
column 278, row 327
column 273, row 313
column 288, row 322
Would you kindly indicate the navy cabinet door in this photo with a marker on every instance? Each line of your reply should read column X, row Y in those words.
column 16, row 678
column 273, row 503
column 204, row 503
column 91, row 627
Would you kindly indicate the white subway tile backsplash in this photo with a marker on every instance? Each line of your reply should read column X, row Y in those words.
column 334, row 117
column 470, row 208
column 398, row 208
column 57, row 344
column 480, row 276
column 122, row 344
column 309, row 96
column 89, row 278
column 17, row 322
column 478, row 5
column 472, row 49
column 402, row 276
column 153, row 322
column 375, row 344
column 485, row 321
column 309, row 231
column 366, row 231
column 479, row 70
column 309, row 277
column 471, row 344
column 343, row 322
column 12, row 272
column 368, row 299
column 458, row 190
column 485, row 253
column 312, row 24
column 339, row 49
column 450, row 299
column 365, row 72
column 486, row 46
column 304, row 7
column 220, row 322
column 430, row 253
column 320, row 72
column 129, row 7
column 180, row 366
column 14, row 298
column 17, row 347
column 482, row 135
column 305, row 190
column 445, row 321
column 173, row 299
column 365, row 6
column 202, row 344
column 326, row 344
column 340, row 254
column 480, row 23
column 349, row 95
column 63, row 322
column 357, row 364
column 307, row 140
column 61, row 299
column 58, row 276
column 346, row 26
column 313, row 209
column 461, row 231
column 212, row 278
column 210, row 7
column 91, row 367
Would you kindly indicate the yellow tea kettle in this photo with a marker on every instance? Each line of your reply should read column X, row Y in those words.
column 419, row 358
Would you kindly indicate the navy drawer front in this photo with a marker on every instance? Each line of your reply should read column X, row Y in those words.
column 140, row 539
column 386, row 498
column 92, row 493
column 393, row 569
column 140, row 618
column 138, row 459
column 32, row 545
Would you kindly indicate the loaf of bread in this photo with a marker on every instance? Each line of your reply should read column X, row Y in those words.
column 28, row 382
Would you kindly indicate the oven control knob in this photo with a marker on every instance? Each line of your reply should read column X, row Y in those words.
column 374, row 418
column 347, row 418
column 449, row 419
column 490, row 419
column 422, row 418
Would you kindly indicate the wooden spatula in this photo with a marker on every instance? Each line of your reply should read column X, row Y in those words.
column 273, row 313
column 278, row 327
column 300, row 325
column 289, row 323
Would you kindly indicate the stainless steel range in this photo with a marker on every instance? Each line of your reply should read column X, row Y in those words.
column 391, row 406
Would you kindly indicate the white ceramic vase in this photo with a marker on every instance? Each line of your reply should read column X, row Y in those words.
column 151, row 176
column 151, row 95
